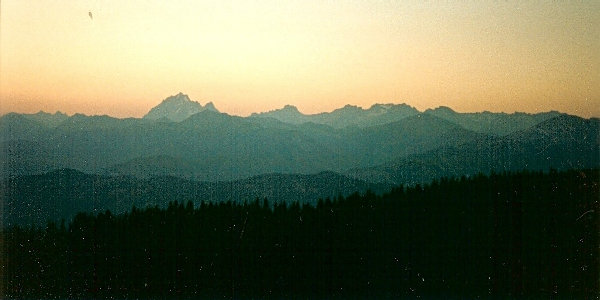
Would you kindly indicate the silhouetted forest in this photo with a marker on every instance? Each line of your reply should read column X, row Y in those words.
column 511, row 235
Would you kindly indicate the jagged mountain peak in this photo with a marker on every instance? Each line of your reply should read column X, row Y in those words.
column 211, row 106
column 180, row 97
column 177, row 108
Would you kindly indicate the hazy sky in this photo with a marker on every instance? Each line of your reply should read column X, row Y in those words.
column 249, row 56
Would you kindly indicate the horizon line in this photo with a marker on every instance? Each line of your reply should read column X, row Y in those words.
column 306, row 114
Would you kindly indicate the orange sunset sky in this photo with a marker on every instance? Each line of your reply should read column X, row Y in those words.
column 251, row 56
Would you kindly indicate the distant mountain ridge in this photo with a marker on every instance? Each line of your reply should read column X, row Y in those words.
column 179, row 107
column 212, row 146
column 492, row 123
column 47, row 119
column 182, row 138
column 348, row 115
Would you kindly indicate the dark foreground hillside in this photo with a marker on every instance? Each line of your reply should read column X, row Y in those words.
column 512, row 235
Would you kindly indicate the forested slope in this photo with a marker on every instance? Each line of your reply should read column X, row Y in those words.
column 510, row 235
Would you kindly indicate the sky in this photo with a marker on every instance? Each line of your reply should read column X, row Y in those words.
column 253, row 56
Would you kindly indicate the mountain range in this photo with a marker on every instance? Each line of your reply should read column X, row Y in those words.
column 564, row 142
column 384, row 145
